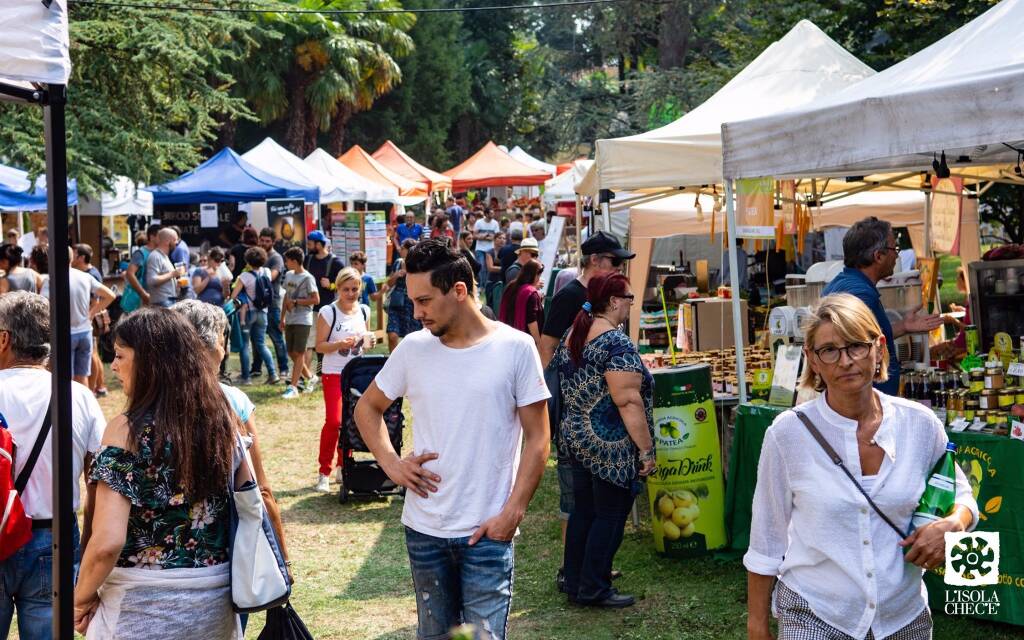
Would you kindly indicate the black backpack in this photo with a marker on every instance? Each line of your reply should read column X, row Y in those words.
column 264, row 291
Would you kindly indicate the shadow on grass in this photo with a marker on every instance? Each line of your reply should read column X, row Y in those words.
column 324, row 508
column 400, row 634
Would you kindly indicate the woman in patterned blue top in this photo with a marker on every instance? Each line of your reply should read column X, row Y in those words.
column 606, row 431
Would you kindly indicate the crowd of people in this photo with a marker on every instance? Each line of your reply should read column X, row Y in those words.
column 472, row 314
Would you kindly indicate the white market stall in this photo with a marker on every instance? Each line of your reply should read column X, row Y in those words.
column 108, row 216
column 359, row 187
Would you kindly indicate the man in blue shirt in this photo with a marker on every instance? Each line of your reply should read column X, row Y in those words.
column 869, row 255
column 454, row 212
column 411, row 229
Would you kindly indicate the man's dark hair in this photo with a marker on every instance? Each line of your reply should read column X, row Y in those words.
column 255, row 257
column 250, row 237
column 295, row 254
column 216, row 253
column 445, row 265
column 84, row 251
column 864, row 239
column 267, row 232
column 152, row 230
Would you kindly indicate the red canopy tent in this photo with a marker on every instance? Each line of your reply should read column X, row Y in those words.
column 364, row 164
column 492, row 167
column 398, row 161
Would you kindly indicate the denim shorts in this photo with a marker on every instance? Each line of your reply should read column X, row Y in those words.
column 456, row 583
column 81, row 353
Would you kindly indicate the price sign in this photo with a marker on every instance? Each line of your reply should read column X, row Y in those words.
column 958, row 425
column 1016, row 369
column 1017, row 430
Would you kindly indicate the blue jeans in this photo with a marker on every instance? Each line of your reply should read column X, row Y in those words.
column 26, row 582
column 254, row 339
column 276, row 339
column 456, row 583
column 481, row 257
column 594, row 534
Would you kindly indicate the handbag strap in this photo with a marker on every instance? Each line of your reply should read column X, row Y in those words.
column 22, row 481
column 831, row 453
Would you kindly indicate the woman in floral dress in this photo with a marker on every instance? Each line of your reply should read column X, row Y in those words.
column 157, row 565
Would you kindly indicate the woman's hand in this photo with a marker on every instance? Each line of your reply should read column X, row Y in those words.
column 347, row 343
column 928, row 544
column 647, row 467
column 84, row 611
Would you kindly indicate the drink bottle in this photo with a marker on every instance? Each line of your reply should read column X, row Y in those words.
column 939, row 491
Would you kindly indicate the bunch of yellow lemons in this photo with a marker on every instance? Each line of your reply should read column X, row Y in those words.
column 678, row 511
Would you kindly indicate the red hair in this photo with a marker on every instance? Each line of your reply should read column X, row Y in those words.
column 599, row 291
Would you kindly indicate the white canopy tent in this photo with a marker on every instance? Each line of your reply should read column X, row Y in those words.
column 563, row 186
column 961, row 95
column 521, row 155
column 278, row 161
column 34, row 43
column 123, row 199
column 799, row 69
column 349, row 181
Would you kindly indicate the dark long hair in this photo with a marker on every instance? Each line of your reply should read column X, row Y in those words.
column 599, row 291
column 175, row 390
column 527, row 274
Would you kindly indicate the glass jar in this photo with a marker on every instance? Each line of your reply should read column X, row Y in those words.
column 970, row 409
column 1006, row 398
column 988, row 399
column 977, row 380
column 994, row 377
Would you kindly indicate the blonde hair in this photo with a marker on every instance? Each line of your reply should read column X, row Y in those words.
column 346, row 274
column 853, row 321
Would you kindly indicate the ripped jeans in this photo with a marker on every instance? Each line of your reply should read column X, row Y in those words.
column 456, row 583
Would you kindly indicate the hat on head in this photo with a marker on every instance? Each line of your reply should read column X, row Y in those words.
column 317, row 236
column 603, row 242
column 529, row 244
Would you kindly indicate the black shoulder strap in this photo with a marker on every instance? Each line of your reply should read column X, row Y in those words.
column 836, row 460
column 37, row 448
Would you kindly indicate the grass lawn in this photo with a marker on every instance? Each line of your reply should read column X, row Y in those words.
column 352, row 575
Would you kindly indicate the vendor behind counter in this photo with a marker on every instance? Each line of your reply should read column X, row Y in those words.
column 870, row 253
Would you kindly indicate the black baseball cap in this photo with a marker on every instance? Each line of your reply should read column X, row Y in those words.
column 603, row 242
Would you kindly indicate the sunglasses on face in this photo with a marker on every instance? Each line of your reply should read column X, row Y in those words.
column 615, row 260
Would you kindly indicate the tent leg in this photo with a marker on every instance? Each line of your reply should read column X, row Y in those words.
column 734, row 283
column 60, row 361
column 579, row 230
column 928, row 224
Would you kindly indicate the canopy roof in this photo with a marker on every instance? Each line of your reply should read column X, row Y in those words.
column 492, row 167
column 962, row 94
column 563, row 186
column 349, row 181
column 18, row 194
column 801, row 68
column 278, row 161
column 124, row 199
column 226, row 177
column 398, row 161
column 365, row 165
column 34, row 43
column 519, row 154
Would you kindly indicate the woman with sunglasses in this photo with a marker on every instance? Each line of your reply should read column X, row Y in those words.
column 605, row 430
column 341, row 335
column 843, row 570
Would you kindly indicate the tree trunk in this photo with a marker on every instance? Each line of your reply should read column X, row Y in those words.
column 339, row 127
column 298, row 117
column 674, row 34
column 226, row 134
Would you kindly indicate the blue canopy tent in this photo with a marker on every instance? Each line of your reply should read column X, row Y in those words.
column 227, row 177
column 17, row 194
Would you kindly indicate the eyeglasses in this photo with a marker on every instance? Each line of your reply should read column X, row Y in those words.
column 893, row 249
column 856, row 351
column 615, row 260
column 628, row 296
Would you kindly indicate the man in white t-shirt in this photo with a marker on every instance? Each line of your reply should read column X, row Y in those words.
column 484, row 230
column 480, row 443
column 88, row 297
column 25, row 387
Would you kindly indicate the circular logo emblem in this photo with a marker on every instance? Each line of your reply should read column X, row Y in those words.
column 700, row 414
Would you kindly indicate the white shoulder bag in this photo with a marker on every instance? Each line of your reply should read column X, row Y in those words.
column 259, row 577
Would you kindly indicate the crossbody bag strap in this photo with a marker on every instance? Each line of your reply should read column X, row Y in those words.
column 836, row 460
column 37, row 448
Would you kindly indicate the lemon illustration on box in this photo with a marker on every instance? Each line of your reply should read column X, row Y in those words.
column 686, row 491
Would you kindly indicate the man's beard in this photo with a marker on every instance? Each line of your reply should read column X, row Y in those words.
column 438, row 331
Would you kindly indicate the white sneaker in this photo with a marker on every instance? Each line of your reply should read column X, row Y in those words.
column 311, row 384
column 323, row 484
column 290, row 393
column 338, row 477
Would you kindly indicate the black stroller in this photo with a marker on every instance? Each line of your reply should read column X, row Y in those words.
column 365, row 478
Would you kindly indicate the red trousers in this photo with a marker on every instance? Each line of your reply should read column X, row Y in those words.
column 331, row 383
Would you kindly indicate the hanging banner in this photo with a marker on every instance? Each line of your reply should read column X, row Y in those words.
column 686, row 491
column 755, row 212
column 787, row 190
column 947, row 207
column 287, row 217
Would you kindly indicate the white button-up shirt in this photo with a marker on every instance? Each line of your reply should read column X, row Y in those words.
column 813, row 528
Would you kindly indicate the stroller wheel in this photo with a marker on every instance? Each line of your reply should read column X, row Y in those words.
column 343, row 494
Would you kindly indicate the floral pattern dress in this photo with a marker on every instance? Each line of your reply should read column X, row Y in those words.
column 165, row 531
column 592, row 431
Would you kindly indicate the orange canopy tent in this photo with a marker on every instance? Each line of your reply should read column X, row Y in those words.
column 492, row 167
column 363, row 163
column 398, row 161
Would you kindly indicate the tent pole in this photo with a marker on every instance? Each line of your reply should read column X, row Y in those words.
column 579, row 229
column 734, row 284
column 927, row 223
column 60, row 361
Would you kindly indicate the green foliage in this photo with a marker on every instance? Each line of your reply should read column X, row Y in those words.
column 146, row 94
